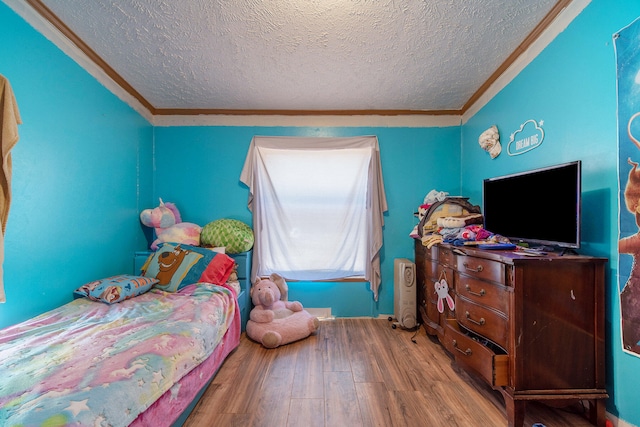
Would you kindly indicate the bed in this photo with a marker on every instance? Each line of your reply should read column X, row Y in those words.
column 138, row 359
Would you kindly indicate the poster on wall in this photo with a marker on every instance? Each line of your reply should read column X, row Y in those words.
column 627, row 45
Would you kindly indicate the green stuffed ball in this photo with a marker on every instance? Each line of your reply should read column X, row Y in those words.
column 234, row 235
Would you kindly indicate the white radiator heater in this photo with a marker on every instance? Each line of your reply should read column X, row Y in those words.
column 404, row 293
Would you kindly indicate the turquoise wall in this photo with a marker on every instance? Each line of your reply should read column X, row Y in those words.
column 571, row 86
column 75, row 176
column 84, row 167
column 199, row 168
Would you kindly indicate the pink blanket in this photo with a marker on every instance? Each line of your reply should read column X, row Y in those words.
column 89, row 363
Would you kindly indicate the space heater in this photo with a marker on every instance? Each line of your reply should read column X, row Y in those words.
column 404, row 293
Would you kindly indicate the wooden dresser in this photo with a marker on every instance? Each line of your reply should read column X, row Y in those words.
column 531, row 327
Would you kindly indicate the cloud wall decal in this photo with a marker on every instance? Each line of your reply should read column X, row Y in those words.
column 529, row 136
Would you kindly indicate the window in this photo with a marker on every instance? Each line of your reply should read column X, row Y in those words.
column 317, row 207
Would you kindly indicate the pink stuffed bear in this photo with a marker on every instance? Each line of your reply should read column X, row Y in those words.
column 168, row 225
column 274, row 321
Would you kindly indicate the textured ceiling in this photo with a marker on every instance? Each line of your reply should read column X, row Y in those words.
column 303, row 54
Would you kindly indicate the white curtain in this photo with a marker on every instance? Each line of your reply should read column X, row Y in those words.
column 281, row 173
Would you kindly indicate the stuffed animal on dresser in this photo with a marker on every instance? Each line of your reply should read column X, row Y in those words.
column 167, row 223
column 275, row 321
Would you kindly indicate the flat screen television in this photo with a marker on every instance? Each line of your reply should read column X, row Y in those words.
column 540, row 207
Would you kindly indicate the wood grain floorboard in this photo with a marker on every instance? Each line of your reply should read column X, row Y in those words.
column 373, row 399
column 357, row 372
column 308, row 377
column 306, row 412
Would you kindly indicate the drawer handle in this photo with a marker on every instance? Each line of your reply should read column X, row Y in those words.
column 466, row 352
column 477, row 322
column 477, row 269
column 478, row 294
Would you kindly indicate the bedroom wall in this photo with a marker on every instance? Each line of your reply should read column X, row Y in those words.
column 571, row 85
column 76, row 175
column 199, row 168
column 82, row 170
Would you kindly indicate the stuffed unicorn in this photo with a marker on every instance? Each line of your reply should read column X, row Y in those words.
column 168, row 225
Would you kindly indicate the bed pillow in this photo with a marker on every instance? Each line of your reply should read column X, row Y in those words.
column 176, row 266
column 116, row 288
column 217, row 266
column 170, row 265
column 218, row 270
column 234, row 235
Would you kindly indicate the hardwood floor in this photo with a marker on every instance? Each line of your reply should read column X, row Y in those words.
column 356, row 372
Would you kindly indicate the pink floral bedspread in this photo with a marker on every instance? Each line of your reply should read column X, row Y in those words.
column 92, row 364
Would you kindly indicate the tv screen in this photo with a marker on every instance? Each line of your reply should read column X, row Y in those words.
column 540, row 206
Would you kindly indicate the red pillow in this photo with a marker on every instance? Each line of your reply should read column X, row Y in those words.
column 218, row 270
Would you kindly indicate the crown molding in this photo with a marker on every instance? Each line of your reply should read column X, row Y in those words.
column 43, row 20
column 554, row 23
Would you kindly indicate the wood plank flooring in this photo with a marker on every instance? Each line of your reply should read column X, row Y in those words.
column 357, row 372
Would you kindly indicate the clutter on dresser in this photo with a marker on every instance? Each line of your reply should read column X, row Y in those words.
column 452, row 219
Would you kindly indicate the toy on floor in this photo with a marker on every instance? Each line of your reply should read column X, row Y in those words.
column 274, row 320
column 168, row 225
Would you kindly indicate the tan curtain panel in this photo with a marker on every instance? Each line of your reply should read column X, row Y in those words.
column 9, row 121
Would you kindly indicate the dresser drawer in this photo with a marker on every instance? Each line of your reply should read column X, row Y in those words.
column 431, row 310
column 481, row 268
column 431, row 270
column 489, row 294
column 427, row 253
column 446, row 256
column 430, row 318
column 482, row 320
column 431, row 253
column 494, row 368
